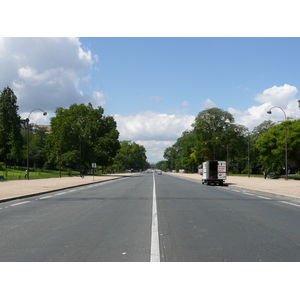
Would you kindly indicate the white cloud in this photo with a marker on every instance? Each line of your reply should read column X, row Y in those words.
column 208, row 104
column 99, row 99
column 45, row 72
column 159, row 131
column 37, row 117
column 155, row 149
column 279, row 96
column 185, row 103
column 153, row 126
column 282, row 96
column 154, row 131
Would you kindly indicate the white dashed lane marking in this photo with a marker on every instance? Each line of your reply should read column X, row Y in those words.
column 46, row 197
column 290, row 203
column 20, row 203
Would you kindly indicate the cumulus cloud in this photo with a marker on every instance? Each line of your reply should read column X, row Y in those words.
column 282, row 96
column 154, row 131
column 99, row 98
column 279, row 96
column 46, row 72
column 153, row 126
column 155, row 149
column 208, row 104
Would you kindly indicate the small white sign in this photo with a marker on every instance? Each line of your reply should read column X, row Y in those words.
column 94, row 165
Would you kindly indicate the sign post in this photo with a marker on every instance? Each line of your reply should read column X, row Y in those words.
column 94, row 166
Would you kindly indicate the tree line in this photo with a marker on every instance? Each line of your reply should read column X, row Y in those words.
column 216, row 136
column 79, row 136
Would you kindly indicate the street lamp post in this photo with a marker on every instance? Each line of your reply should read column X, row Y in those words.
column 286, row 167
column 248, row 153
column 44, row 114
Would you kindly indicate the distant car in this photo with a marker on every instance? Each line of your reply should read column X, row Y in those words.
column 159, row 172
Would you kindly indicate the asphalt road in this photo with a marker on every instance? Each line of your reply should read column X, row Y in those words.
column 115, row 222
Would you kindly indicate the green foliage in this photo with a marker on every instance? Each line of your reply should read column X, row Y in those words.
column 214, row 129
column 11, row 140
column 131, row 156
column 271, row 145
column 18, row 173
column 37, row 143
column 161, row 165
column 181, row 155
column 81, row 135
column 216, row 136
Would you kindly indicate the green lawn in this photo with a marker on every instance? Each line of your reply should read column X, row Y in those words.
column 292, row 176
column 19, row 174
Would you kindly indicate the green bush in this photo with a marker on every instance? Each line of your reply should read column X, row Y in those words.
column 274, row 175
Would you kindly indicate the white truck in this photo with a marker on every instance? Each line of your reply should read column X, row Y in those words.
column 214, row 172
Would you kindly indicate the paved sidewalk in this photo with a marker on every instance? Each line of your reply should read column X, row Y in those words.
column 14, row 189
column 281, row 186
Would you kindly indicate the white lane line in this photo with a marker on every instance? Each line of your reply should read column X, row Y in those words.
column 290, row 203
column 46, row 197
column 19, row 203
column 154, row 255
column 60, row 193
column 263, row 197
column 248, row 194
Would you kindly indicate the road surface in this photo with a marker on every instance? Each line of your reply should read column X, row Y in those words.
column 150, row 217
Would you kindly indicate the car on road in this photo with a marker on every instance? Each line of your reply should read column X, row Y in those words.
column 159, row 172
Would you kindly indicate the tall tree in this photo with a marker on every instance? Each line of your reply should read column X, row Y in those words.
column 271, row 145
column 214, row 136
column 81, row 135
column 214, row 128
column 257, row 132
column 37, row 146
column 11, row 141
column 131, row 156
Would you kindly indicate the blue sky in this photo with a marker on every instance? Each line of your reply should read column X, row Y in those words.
column 154, row 86
column 159, row 74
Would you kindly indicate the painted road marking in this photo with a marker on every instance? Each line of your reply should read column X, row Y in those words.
column 237, row 191
column 46, row 197
column 290, row 203
column 154, row 255
column 19, row 203
column 263, row 197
